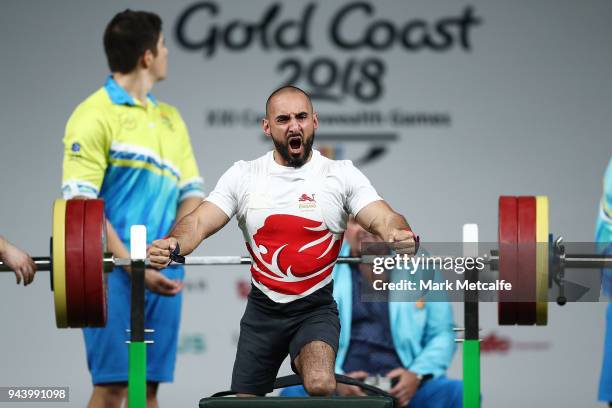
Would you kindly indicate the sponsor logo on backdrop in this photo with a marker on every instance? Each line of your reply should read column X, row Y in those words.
column 243, row 288
column 340, row 54
column 494, row 343
column 192, row 343
column 195, row 285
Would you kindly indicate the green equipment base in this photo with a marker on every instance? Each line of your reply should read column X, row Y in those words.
column 471, row 374
column 137, row 376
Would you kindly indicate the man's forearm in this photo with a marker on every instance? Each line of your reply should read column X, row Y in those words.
column 115, row 244
column 186, row 206
column 380, row 219
column 385, row 224
column 188, row 233
column 199, row 224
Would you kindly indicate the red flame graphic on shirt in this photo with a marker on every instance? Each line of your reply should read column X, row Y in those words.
column 292, row 254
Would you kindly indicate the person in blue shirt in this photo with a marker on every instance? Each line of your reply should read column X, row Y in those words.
column 411, row 343
column 603, row 238
column 127, row 147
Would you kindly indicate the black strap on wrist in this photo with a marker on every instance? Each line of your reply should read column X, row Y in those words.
column 174, row 255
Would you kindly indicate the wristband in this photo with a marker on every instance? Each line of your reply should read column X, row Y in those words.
column 174, row 255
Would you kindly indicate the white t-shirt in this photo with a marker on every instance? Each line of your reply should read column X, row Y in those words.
column 292, row 219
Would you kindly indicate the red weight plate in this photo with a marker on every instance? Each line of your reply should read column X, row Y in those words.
column 527, row 227
column 75, row 293
column 507, row 237
column 93, row 264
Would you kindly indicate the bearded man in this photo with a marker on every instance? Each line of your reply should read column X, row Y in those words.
column 292, row 205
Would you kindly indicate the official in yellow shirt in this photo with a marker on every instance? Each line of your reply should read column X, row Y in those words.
column 124, row 146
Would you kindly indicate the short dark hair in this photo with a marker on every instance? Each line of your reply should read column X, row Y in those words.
column 288, row 88
column 128, row 35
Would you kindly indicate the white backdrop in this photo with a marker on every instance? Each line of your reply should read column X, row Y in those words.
column 484, row 98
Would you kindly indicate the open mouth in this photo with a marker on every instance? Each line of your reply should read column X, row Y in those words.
column 295, row 144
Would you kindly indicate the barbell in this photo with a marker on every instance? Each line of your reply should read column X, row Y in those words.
column 79, row 260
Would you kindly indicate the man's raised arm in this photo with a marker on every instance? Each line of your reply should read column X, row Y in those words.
column 188, row 232
column 380, row 219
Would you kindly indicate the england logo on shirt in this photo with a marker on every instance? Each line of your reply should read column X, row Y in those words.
column 307, row 201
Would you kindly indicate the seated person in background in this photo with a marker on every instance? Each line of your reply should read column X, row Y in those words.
column 410, row 342
column 603, row 237
column 17, row 260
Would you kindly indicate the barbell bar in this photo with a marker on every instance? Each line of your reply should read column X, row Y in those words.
column 79, row 260
column 43, row 263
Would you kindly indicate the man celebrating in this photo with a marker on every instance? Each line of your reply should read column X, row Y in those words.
column 124, row 146
column 292, row 205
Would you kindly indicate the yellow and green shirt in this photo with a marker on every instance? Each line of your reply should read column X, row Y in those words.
column 138, row 158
